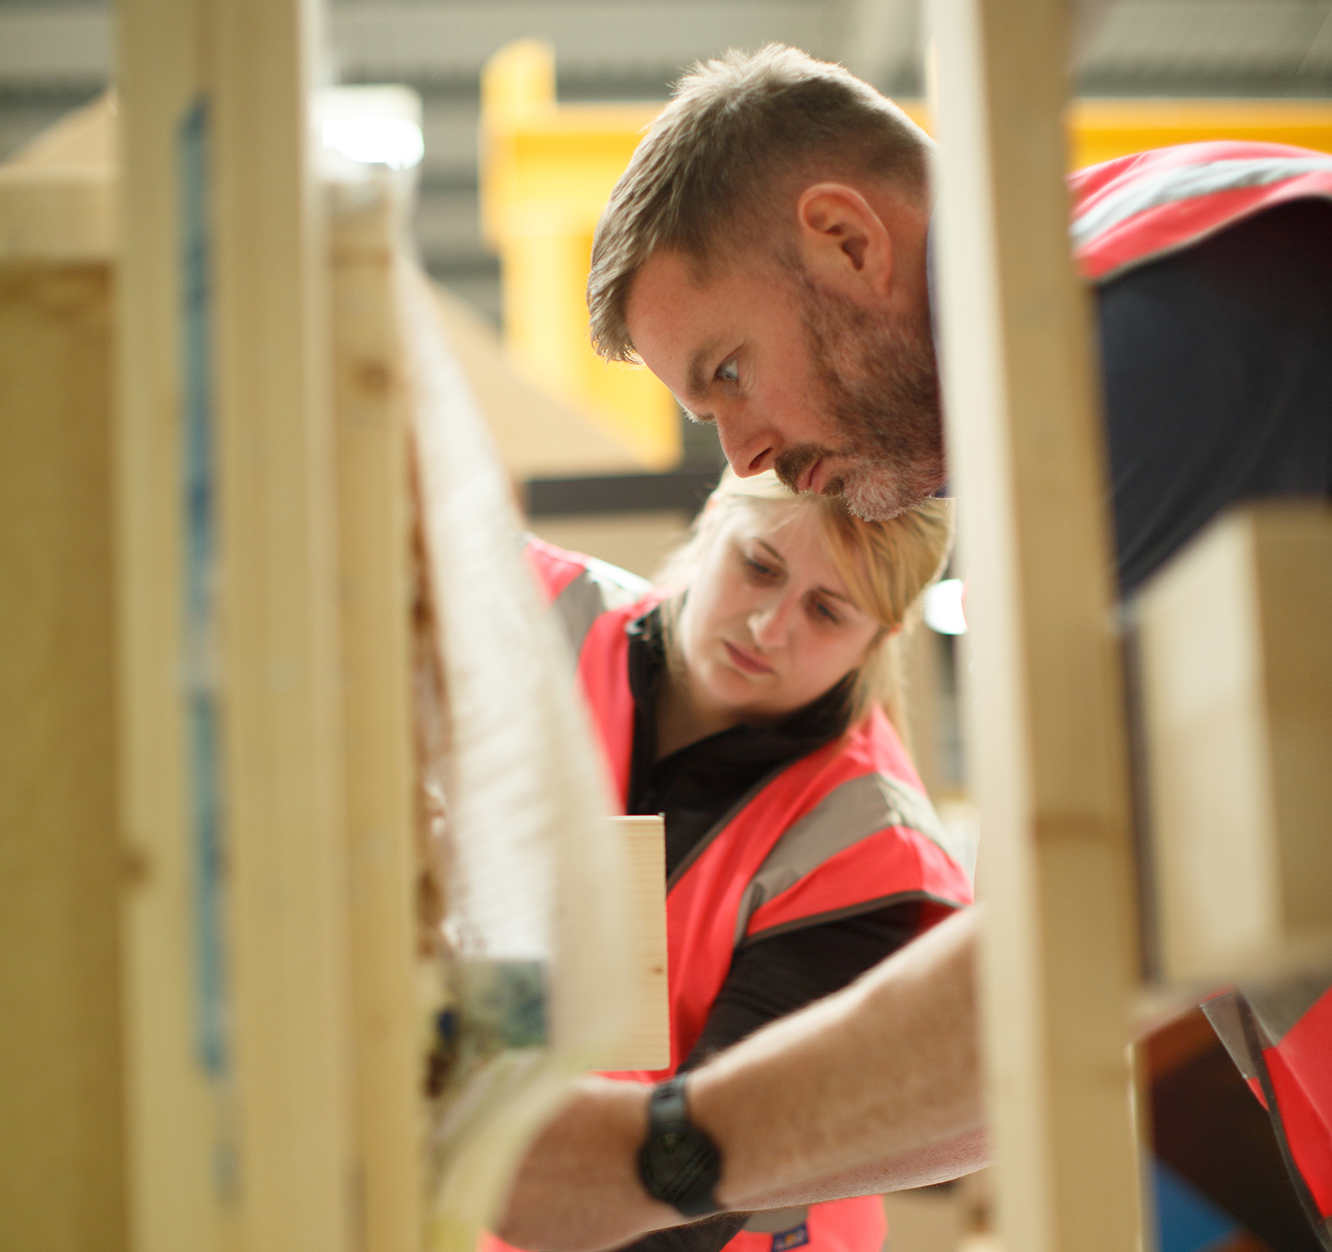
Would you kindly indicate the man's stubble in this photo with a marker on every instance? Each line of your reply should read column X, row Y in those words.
column 880, row 385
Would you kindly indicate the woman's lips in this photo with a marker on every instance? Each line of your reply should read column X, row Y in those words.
column 746, row 661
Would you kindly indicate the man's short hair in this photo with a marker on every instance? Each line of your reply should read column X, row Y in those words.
column 725, row 161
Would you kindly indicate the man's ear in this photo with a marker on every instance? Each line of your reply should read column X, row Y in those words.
column 843, row 242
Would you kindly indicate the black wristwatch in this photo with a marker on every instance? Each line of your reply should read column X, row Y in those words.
column 678, row 1163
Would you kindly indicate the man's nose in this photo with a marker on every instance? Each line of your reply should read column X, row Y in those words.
column 748, row 447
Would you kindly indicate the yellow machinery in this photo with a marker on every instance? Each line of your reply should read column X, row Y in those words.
column 547, row 171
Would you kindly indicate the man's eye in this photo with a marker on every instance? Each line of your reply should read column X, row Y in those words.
column 728, row 371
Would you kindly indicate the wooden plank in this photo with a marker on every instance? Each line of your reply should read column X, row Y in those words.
column 57, row 194
column 370, row 402
column 646, row 1043
column 1046, row 734
column 1237, row 702
column 61, row 1099
column 178, row 1140
column 281, row 744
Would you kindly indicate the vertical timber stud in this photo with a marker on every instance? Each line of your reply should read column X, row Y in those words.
column 371, row 403
column 61, row 1164
column 1025, row 454
column 237, row 1034
column 281, row 714
column 173, row 1135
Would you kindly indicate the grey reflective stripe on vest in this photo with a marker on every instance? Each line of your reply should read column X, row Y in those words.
column 1225, row 1014
column 1279, row 1003
column 1184, row 182
column 598, row 588
column 846, row 815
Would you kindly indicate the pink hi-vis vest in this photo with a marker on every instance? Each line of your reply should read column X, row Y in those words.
column 1126, row 213
column 840, row 831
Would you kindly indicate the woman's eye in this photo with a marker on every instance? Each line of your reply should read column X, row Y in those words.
column 728, row 371
column 825, row 613
column 758, row 569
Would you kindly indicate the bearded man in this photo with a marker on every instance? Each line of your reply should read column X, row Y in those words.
column 767, row 255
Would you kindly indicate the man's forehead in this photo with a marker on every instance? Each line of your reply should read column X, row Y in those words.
column 673, row 292
column 668, row 272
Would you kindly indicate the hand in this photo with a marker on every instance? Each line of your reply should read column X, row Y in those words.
column 577, row 1189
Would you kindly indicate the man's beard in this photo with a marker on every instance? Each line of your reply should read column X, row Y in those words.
column 881, row 387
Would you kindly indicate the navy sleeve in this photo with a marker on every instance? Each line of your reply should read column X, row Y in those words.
column 1218, row 379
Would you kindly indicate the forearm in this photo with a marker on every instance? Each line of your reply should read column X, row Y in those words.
column 873, row 1089
column 922, row 1167
column 866, row 1079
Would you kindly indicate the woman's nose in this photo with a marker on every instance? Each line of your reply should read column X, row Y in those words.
column 770, row 621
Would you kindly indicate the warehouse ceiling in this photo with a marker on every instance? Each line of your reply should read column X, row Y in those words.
column 56, row 54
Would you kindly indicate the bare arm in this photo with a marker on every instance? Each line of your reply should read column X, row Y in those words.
column 873, row 1089
column 883, row 1069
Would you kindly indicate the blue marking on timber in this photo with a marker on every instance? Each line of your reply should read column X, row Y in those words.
column 200, row 576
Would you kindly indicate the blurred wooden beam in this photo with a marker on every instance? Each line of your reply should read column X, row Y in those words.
column 1047, row 731
column 1236, row 682
column 62, row 1168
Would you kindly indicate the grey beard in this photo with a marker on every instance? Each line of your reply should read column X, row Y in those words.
column 881, row 387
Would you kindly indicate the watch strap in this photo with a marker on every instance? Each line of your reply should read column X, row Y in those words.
column 678, row 1163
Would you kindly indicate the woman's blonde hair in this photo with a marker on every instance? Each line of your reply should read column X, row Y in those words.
column 886, row 566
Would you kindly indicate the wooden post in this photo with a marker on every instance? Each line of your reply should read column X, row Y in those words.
column 61, row 1102
column 175, row 1149
column 240, row 1024
column 372, row 415
column 278, row 615
column 1025, row 453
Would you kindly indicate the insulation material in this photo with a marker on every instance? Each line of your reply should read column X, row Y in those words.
column 535, row 969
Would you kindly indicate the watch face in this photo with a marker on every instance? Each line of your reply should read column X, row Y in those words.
column 680, row 1166
column 678, row 1163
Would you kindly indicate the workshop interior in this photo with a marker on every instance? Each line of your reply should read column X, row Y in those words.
column 316, row 895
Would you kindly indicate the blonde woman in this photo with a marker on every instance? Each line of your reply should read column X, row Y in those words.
column 749, row 696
